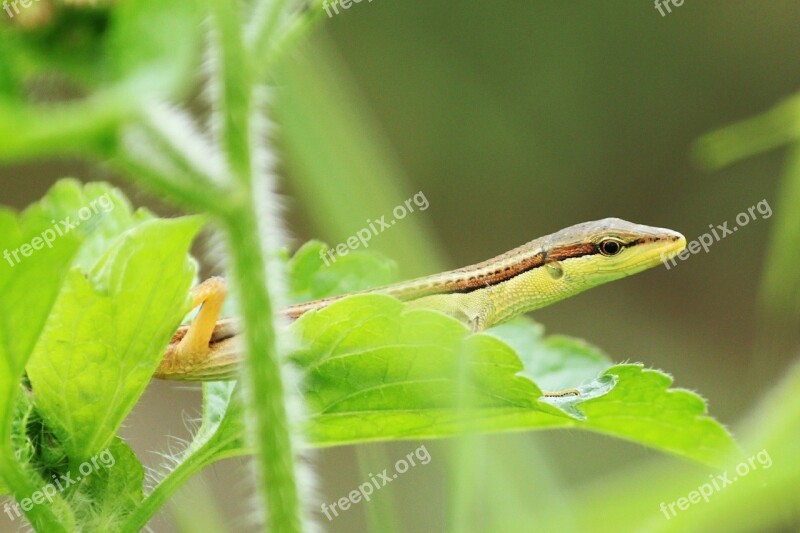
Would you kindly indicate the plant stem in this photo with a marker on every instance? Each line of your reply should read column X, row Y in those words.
column 168, row 487
column 286, row 38
column 233, row 85
column 237, row 111
column 260, row 32
column 264, row 390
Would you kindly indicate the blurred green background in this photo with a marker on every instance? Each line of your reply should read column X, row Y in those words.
column 515, row 120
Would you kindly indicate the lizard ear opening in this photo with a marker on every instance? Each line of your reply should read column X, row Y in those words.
column 554, row 269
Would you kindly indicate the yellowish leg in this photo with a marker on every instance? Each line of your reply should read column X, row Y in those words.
column 210, row 295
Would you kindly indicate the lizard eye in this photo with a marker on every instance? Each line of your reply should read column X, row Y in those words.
column 609, row 247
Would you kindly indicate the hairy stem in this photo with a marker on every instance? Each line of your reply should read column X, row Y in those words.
column 264, row 390
column 237, row 111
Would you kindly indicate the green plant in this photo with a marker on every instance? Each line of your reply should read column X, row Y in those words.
column 83, row 324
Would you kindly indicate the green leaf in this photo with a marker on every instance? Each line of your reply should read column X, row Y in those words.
column 29, row 284
column 315, row 274
column 367, row 352
column 222, row 428
column 30, row 277
column 221, row 435
column 377, row 372
column 642, row 408
column 555, row 362
column 111, row 491
column 98, row 211
column 374, row 371
column 107, row 333
column 30, row 274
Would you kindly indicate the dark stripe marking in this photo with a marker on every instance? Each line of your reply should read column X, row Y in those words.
column 545, row 256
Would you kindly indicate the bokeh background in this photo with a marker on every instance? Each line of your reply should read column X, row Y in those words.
column 517, row 119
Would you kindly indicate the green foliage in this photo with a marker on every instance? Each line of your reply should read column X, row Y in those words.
column 404, row 373
column 375, row 372
column 122, row 70
column 371, row 369
column 23, row 313
column 84, row 322
column 107, row 333
column 112, row 492
column 103, row 335
column 310, row 278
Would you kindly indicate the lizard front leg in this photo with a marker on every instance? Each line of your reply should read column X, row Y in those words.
column 190, row 355
column 474, row 311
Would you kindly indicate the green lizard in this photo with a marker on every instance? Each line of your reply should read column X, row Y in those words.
column 534, row 275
